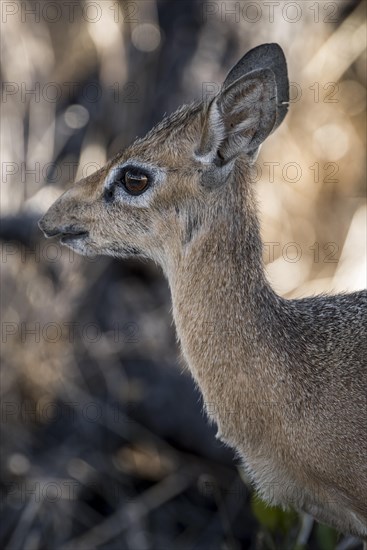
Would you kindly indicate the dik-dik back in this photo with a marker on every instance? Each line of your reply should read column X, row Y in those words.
column 285, row 380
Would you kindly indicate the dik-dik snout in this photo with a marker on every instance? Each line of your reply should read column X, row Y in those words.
column 93, row 217
column 65, row 220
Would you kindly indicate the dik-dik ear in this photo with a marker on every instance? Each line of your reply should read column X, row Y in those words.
column 239, row 118
column 266, row 56
column 252, row 103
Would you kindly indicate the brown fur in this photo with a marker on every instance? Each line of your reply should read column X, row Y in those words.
column 285, row 380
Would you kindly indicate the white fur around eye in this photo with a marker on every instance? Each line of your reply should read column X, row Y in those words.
column 157, row 176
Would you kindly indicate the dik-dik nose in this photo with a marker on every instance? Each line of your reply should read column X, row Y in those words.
column 60, row 219
column 52, row 222
column 49, row 228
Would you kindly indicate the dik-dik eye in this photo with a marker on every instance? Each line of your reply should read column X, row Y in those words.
column 135, row 181
column 129, row 179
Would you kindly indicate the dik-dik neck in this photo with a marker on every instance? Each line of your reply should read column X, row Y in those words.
column 222, row 303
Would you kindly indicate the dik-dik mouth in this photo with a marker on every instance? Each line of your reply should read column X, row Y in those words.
column 68, row 238
column 66, row 234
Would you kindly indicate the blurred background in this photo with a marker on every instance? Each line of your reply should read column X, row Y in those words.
column 104, row 443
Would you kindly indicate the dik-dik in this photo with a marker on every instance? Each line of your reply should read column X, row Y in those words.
column 284, row 380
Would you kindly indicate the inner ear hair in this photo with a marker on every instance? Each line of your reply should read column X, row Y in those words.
column 239, row 118
column 265, row 56
column 213, row 134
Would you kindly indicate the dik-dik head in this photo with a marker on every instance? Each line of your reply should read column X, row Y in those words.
column 148, row 194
